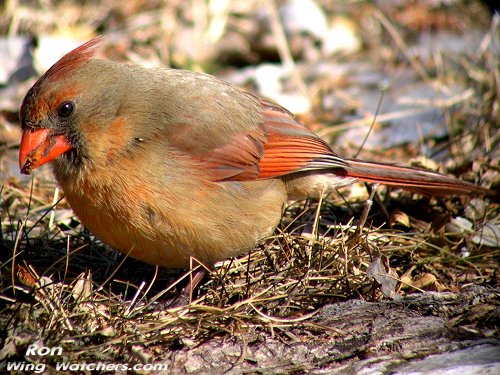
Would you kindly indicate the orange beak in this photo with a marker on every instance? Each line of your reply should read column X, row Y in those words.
column 39, row 147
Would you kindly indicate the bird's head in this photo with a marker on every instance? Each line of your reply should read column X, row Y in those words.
column 50, row 112
column 65, row 112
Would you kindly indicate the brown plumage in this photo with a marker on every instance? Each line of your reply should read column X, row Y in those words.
column 166, row 164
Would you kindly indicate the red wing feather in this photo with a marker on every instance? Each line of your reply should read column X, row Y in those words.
column 238, row 160
column 291, row 147
column 280, row 146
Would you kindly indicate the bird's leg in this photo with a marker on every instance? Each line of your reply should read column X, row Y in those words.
column 197, row 271
column 366, row 209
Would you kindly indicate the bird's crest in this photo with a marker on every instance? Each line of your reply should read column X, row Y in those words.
column 73, row 59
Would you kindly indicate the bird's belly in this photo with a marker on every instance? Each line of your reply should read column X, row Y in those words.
column 210, row 222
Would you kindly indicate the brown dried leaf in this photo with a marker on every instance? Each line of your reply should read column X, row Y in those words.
column 83, row 287
column 427, row 281
column 399, row 217
column 380, row 270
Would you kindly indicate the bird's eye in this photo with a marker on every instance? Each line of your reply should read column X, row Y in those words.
column 65, row 109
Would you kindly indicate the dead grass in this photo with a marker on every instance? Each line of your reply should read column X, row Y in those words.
column 94, row 305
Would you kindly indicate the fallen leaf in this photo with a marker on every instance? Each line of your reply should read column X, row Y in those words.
column 387, row 278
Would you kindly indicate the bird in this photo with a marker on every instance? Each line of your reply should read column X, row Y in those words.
column 169, row 165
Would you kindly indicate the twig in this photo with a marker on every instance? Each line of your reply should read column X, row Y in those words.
column 284, row 49
column 402, row 45
column 383, row 88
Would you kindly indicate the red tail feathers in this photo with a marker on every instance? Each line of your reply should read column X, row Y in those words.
column 413, row 179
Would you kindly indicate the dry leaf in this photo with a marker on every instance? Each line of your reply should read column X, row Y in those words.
column 83, row 287
column 387, row 278
column 399, row 217
column 488, row 235
column 425, row 280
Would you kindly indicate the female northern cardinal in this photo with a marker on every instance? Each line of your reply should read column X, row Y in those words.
column 165, row 164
